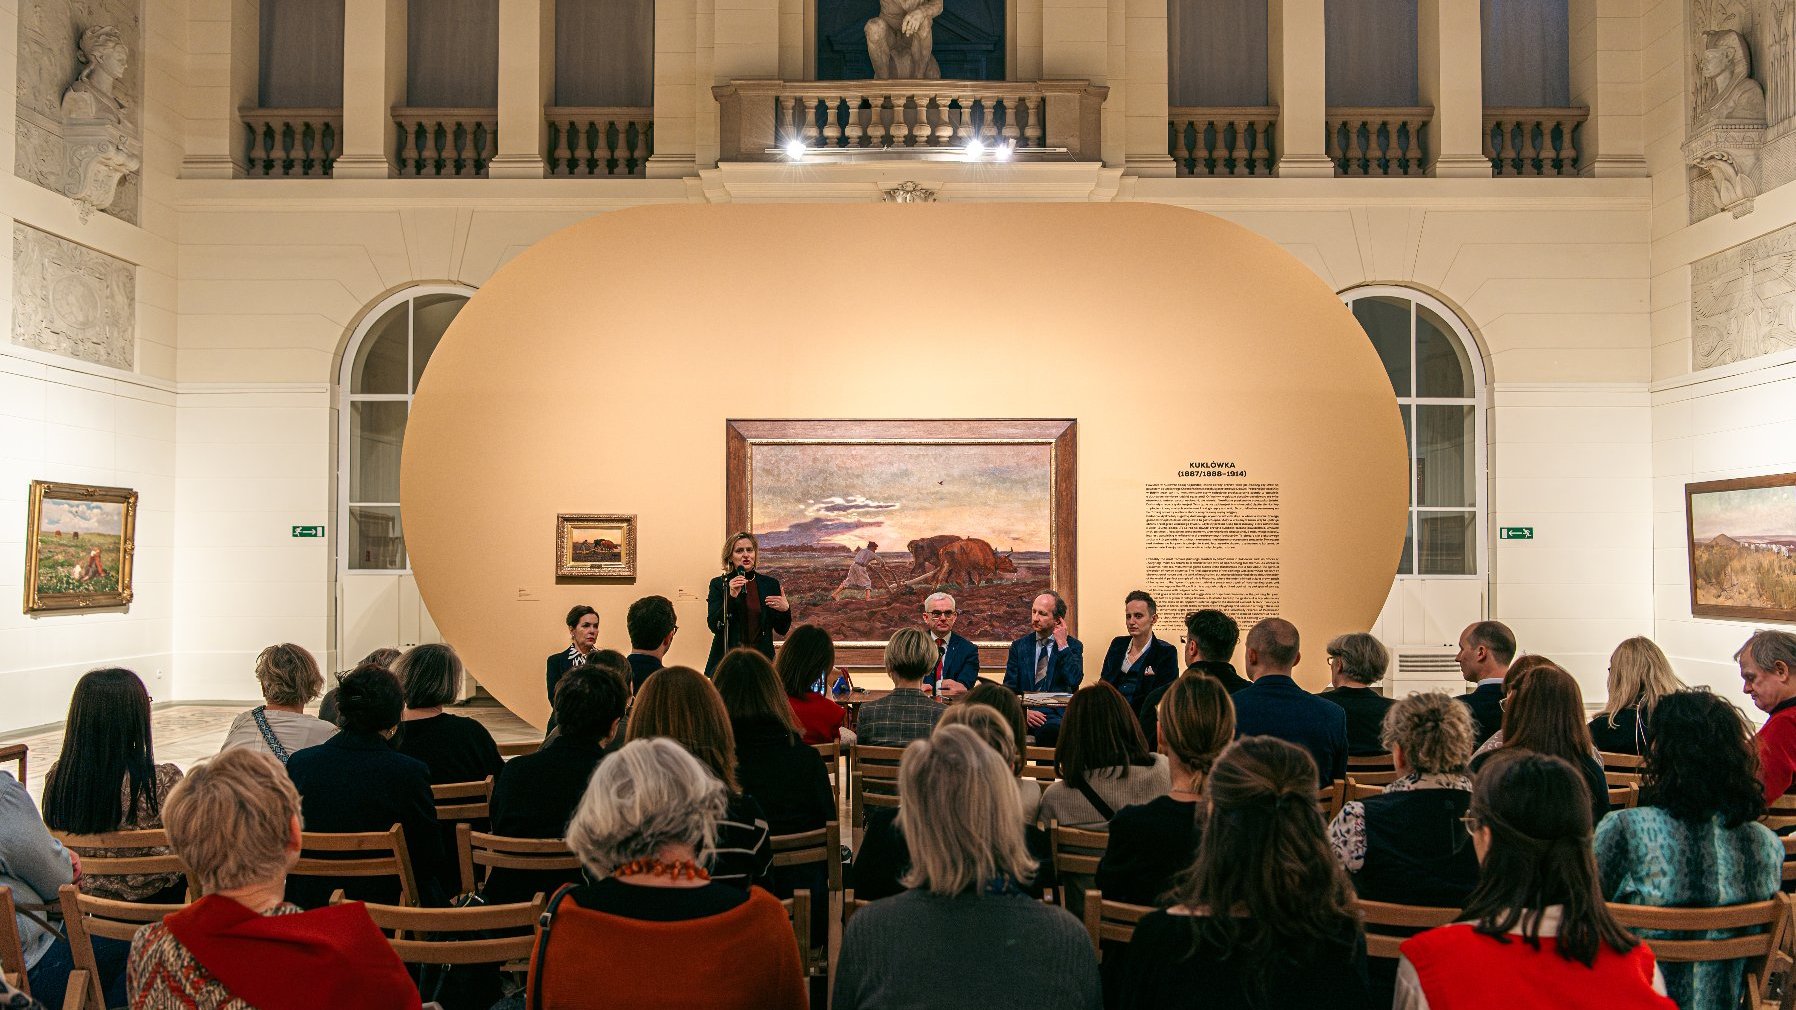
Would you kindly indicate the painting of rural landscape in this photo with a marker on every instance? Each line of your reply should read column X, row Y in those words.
column 973, row 520
column 1743, row 548
column 80, row 547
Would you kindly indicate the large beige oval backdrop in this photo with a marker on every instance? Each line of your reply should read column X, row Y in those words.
column 595, row 372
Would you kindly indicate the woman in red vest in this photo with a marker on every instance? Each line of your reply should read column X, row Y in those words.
column 1535, row 932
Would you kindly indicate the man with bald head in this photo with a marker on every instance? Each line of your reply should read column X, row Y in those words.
column 1275, row 706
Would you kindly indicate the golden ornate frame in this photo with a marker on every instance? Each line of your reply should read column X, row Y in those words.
column 40, row 602
column 565, row 567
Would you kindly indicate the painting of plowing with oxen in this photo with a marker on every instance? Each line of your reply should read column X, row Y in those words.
column 859, row 534
column 1743, row 548
column 80, row 548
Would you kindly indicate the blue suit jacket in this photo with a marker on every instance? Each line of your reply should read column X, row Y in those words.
column 961, row 662
column 1066, row 669
column 1275, row 706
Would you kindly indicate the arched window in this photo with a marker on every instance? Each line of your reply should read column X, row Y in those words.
column 381, row 367
column 1439, row 382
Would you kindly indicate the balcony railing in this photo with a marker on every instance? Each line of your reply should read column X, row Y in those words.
column 1222, row 141
column 436, row 143
column 1521, row 141
column 611, row 142
column 1379, row 141
column 759, row 117
column 292, row 143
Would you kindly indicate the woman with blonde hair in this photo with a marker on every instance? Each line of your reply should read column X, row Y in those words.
column 1639, row 675
column 677, row 702
column 742, row 606
column 289, row 679
column 1151, row 842
column 968, row 864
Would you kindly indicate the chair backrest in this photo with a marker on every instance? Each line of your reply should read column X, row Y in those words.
column 1330, row 797
column 1789, row 857
column 822, row 846
column 1373, row 777
column 373, row 854
column 1615, row 778
column 831, row 753
column 479, row 852
column 85, row 917
column 1035, row 754
column 137, row 839
column 1357, row 790
column 1076, row 850
column 1613, row 761
column 12, row 947
column 463, row 801
column 1044, row 774
column 1623, row 797
column 851, row 905
column 872, row 785
column 416, row 934
column 15, row 752
column 1756, row 948
column 798, row 916
column 1781, row 813
column 1111, row 920
column 1405, row 917
column 1370, row 763
column 519, row 748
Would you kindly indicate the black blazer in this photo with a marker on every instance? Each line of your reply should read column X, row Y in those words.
column 558, row 665
column 534, row 797
column 1149, row 715
column 357, row 782
column 772, row 621
column 1276, row 706
column 641, row 666
column 1486, row 703
column 784, row 775
column 1157, row 667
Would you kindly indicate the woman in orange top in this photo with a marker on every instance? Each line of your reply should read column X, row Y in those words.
column 655, row 932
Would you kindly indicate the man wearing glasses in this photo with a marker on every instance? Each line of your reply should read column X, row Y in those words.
column 957, row 669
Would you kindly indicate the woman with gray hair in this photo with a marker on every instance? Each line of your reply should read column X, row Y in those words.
column 647, row 819
column 290, row 680
column 957, row 810
column 454, row 747
column 1355, row 663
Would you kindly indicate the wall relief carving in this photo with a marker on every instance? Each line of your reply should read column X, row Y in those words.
column 1743, row 300
column 79, row 132
column 70, row 300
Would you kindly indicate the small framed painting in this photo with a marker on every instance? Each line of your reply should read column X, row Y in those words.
column 594, row 546
column 1742, row 535
column 79, row 547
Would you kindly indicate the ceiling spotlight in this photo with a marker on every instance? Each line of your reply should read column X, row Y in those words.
column 795, row 149
column 974, row 148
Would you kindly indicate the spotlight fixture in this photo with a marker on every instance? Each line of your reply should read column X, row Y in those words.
column 975, row 149
column 795, row 149
column 1003, row 151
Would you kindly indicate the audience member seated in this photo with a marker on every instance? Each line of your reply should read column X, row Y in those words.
column 615, row 665
column 107, row 779
column 1355, row 663
column 1543, row 712
column 1139, row 663
column 1537, row 882
column 535, row 796
column 1768, row 674
column 806, row 657
column 1103, row 762
column 235, row 822
column 965, row 935
column 1696, row 839
column 1210, row 640
column 1265, row 916
column 651, row 624
column 356, row 781
column 1486, row 649
column 35, row 866
column 382, row 657
column 907, row 713
column 1639, row 675
column 1276, row 706
column 655, row 929
column 454, row 747
column 956, row 669
column 785, row 775
column 1005, row 702
column 1150, row 843
column 677, row 702
column 290, row 680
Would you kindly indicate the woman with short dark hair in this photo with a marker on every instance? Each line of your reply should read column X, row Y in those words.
column 454, row 747
column 1695, row 839
column 1103, row 762
column 806, row 658
column 784, row 774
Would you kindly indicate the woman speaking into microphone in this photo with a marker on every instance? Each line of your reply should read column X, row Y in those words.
column 744, row 607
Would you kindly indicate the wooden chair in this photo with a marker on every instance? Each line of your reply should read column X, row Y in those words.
column 1044, row 774
column 851, row 905
column 519, row 748
column 1038, row 755
column 1781, row 813
column 1757, row 948
column 1628, row 763
column 1074, row 853
column 12, row 946
column 376, row 854
column 872, row 779
column 416, row 934
column 139, row 839
column 1357, row 766
column 1368, row 777
column 15, row 752
column 463, row 801
column 1111, row 920
column 832, row 761
column 1330, row 797
column 1622, row 778
column 798, row 916
column 1789, row 858
column 85, row 917
column 1357, row 790
column 822, row 846
column 1409, row 918
column 1623, row 797
column 486, row 851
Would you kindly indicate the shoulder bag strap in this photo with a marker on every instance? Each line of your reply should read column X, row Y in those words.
column 545, row 923
column 260, row 714
column 1097, row 802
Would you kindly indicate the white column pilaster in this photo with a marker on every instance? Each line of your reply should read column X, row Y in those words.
column 373, row 83
column 526, row 85
column 1297, row 70
column 1450, row 75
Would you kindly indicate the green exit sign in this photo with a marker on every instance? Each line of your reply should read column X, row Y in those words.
column 1505, row 533
column 308, row 531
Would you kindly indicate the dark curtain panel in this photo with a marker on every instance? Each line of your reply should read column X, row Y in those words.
column 302, row 54
column 1218, row 52
column 1371, row 53
column 452, row 54
column 604, row 52
column 1527, row 53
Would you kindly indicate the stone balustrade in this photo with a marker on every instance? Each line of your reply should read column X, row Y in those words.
column 592, row 142
column 1222, row 141
column 758, row 118
column 1379, row 141
column 1536, row 142
column 291, row 143
column 445, row 143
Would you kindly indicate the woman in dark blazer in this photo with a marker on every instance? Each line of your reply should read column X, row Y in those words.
column 744, row 607
column 1137, row 663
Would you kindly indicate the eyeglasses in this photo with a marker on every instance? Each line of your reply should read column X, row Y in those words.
column 941, row 613
column 1472, row 824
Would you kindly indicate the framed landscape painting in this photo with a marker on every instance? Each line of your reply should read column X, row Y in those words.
column 79, row 546
column 595, row 546
column 1743, row 547
column 862, row 520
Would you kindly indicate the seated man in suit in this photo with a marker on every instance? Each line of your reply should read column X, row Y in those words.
column 1485, row 651
column 957, row 665
column 1275, row 706
column 651, row 624
column 1046, row 659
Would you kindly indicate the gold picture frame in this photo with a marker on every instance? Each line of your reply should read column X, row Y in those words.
column 595, row 545
column 80, row 542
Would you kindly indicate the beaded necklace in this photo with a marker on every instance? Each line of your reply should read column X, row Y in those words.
column 679, row 869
